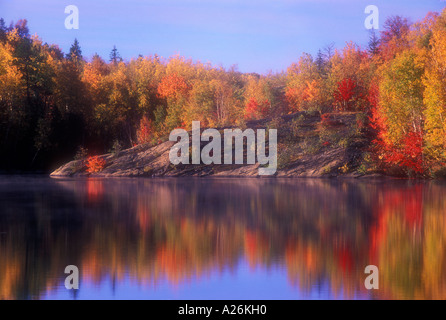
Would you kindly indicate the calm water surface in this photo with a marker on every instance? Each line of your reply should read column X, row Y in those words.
column 221, row 238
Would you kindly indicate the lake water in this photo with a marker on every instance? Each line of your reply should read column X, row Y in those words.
column 221, row 238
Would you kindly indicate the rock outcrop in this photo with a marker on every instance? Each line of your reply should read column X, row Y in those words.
column 302, row 152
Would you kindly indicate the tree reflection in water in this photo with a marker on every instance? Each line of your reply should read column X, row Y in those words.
column 318, row 232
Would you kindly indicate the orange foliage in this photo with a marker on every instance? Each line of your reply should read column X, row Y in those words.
column 172, row 86
column 402, row 86
column 255, row 110
column 311, row 91
column 255, row 246
column 292, row 96
column 95, row 164
column 172, row 262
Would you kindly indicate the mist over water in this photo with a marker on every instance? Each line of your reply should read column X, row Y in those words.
column 209, row 238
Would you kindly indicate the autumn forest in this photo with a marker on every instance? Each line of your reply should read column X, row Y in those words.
column 56, row 105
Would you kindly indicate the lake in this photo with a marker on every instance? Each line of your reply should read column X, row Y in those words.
column 209, row 238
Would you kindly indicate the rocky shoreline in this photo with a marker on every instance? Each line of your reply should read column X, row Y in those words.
column 302, row 153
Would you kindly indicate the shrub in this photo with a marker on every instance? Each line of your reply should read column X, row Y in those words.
column 95, row 164
column 344, row 169
column 329, row 135
column 311, row 145
column 80, row 156
column 81, row 153
column 326, row 169
column 344, row 142
column 440, row 173
column 361, row 122
column 275, row 123
column 116, row 148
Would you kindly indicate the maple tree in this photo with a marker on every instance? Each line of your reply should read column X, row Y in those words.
column 173, row 87
column 344, row 94
column 145, row 131
column 252, row 109
column 407, row 154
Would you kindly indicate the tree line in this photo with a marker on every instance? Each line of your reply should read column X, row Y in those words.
column 52, row 103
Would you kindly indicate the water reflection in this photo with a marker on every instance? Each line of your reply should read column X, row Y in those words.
column 221, row 238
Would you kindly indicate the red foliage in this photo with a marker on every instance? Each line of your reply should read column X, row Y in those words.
column 373, row 95
column 95, row 164
column 325, row 119
column 360, row 123
column 255, row 110
column 345, row 260
column 407, row 204
column 407, row 155
column 145, row 131
column 344, row 93
column 251, row 108
column 183, row 125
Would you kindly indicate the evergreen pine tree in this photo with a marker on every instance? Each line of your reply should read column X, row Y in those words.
column 374, row 42
column 115, row 58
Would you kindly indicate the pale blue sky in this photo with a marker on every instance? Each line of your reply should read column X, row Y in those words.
column 257, row 35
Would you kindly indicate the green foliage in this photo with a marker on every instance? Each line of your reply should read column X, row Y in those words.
column 80, row 159
column 294, row 129
column 327, row 169
column 81, row 153
column 276, row 123
column 311, row 145
column 287, row 154
column 401, row 95
column 116, row 148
